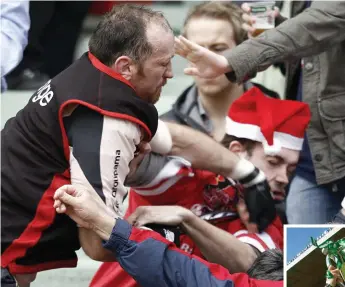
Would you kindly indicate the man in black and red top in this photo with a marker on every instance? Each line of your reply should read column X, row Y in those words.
column 82, row 127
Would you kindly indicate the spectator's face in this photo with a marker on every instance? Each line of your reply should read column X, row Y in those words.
column 277, row 169
column 217, row 36
column 152, row 75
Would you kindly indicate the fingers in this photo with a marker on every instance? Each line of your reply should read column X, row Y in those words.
column 250, row 29
column 63, row 194
column 61, row 209
column 191, row 71
column 188, row 45
column 180, row 48
column 245, row 7
column 248, row 19
column 276, row 12
column 136, row 215
column 242, row 211
column 59, row 206
column 244, row 215
column 131, row 219
column 68, row 188
column 142, row 216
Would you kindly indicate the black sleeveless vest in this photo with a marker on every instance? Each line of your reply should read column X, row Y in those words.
column 35, row 162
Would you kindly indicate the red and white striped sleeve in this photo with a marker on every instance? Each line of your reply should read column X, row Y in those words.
column 165, row 176
column 271, row 238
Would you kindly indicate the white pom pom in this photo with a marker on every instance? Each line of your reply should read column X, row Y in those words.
column 162, row 142
column 274, row 149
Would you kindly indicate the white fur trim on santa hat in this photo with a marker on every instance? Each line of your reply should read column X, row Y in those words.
column 162, row 141
column 272, row 149
column 254, row 133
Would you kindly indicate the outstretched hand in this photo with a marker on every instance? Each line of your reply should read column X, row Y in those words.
column 204, row 63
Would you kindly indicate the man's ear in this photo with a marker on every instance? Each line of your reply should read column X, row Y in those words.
column 236, row 147
column 125, row 67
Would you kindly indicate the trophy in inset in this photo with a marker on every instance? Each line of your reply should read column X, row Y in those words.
column 335, row 256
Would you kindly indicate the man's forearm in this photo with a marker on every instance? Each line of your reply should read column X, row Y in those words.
column 201, row 150
column 219, row 246
column 153, row 261
column 91, row 240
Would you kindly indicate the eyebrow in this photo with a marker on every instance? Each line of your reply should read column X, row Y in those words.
column 166, row 59
column 280, row 158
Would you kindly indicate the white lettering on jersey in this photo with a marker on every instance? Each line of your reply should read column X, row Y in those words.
column 44, row 95
column 186, row 248
column 116, row 174
column 169, row 235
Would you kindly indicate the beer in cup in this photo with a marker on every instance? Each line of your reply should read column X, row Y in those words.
column 262, row 12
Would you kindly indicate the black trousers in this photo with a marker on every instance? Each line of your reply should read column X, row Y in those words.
column 55, row 27
column 7, row 280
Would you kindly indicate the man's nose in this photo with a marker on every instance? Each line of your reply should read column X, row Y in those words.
column 282, row 177
column 169, row 73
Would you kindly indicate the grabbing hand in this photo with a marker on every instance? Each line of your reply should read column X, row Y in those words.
column 259, row 209
column 244, row 216
column 260, row 204
column 249, row 20
column 204, row 63
column 79, row 204
column 165, row 215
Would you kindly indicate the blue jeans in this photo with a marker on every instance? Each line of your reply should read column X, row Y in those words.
column 309, row 203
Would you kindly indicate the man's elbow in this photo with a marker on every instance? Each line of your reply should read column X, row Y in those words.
column 245, row 261
column 248, row 261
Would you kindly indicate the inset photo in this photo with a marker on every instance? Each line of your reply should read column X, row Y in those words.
column 315, row 256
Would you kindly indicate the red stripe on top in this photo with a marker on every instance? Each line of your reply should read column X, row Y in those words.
column 107, row 70
column 101, row 111
column 44, row 217
column 23, row 269
column 183, row 171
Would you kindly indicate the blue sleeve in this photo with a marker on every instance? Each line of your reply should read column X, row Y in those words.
column 153, row 261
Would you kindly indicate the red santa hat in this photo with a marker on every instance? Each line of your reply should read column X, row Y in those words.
column 276, row 123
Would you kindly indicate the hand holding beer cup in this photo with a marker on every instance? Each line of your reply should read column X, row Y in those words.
column 258, row 17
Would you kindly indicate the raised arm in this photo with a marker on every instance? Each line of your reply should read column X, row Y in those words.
column 201, row 151
column 310, row 33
